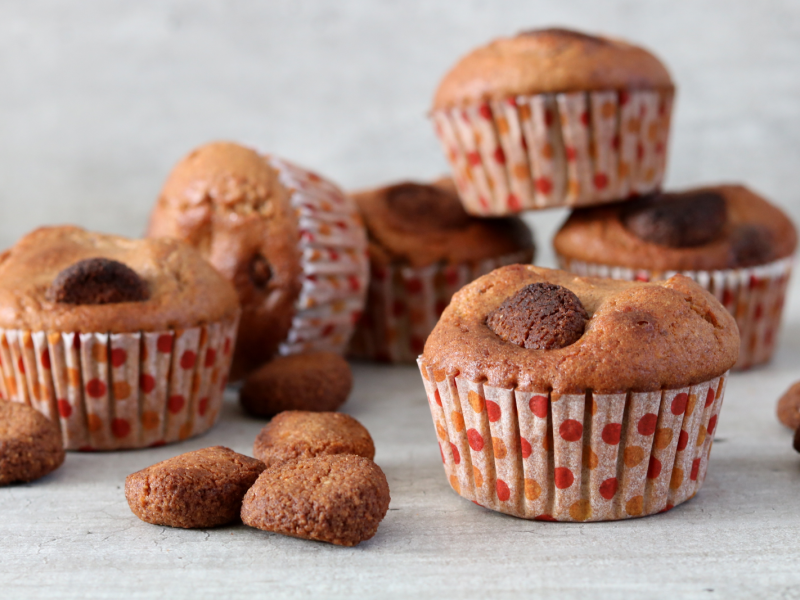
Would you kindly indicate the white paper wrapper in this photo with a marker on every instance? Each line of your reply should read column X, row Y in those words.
column 118, row 391
column 583, row 457
column 753, row 295
column 333, row 254
column 546, row 150
column 404, row 305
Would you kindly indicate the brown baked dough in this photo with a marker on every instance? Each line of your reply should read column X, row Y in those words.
column 203, row 488
column 789, row 407
column 302, row 434
column 315, row 381
column 30, row 444
column 339, row 499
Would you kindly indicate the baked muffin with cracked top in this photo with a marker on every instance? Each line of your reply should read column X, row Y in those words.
column 290, row 242
column 558, row 397
column 729, row 239
column 122, row 343
column 554, row 117
column 423, row 247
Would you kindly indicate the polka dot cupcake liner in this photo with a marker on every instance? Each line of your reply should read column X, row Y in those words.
column 333, row 255
column 753, row 295
column 573, row 457
column 548, row 150
column 113, row 391
column 404, row 305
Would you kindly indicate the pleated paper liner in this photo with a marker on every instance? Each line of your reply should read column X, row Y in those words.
column 333, row 254
column 583, row 457
column 404, row 305
column 118, row 391
column 753, row 295
column 547, row 150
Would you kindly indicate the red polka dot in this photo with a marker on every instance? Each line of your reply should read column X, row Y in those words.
column 437, row 397
column 485, row 111
column 712, row 425
column 354, row 283
column 64, row 409
column 326, row 332
column 600, row 181
column 571, row 154
column 683, row 440
column 611, row 433
column 227, row 347
column 164, row 343
column 571, row 430
column 456, row 455
column 654, row 468
column 710, row 397
column 441, row 453
column 20, row 365
column 647, row 424
column 538, row 406
column 544, row 518
column 475, row 440
column 211, row 358
column 563, row 477
column 679, row 404
column 492, row 411
column 473, row 158
column 548, row 117
column 500, row 156
column 608, row 488
column 76, row 342
column 667, row 508
column 544, row 185
column 120, row 428
column 96, row 388
column 158, row 443
column 585, row 118
column 503, row 493
column 147, row 383
column 202, row 407
column 188, row 359
column 695, row 469
column 525, row 447
column 118, row 357
column 398, row 308
column 46, row 358
column 513, row 202
column 414, row 286
column 175, row 404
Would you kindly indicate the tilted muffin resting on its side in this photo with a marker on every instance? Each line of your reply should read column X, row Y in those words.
column 123, row 343
column 553, row 117
column 290, row 242
column 556, row 397
column 728, row 239
column 423, row 247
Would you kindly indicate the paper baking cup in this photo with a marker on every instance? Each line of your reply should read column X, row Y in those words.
column 404, row 305
column 572, row 149
column 753, row 295
column 573, row 457
column 333, row 255
column 120, row 390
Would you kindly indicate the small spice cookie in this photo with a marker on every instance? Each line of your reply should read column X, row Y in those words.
column 30, row 444
column 789, row 407
column 317, row 381
column 302, row 434
column 203, row 488
column 340, row 499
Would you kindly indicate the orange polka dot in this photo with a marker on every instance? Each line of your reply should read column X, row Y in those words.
column 100, row 353
column 27, row 340
column 441, row 432
column 455, row 484
column 663, row 438
column 499, row 448
column 94, row 422
column 546, row 443
column 36, row 390
column 150, row 419
column 581, row 510
column 633, row 455
column 635, row 506
column 720, row 386
column 677, row 479
column 520, row 171
column 608, row 110
column 691, row 404
column 185, row 431
column 524, row 112
column 652, row 131
column 649, row 174
column 439, row 375
column 502, row 125
column 11, row 386
column 547, row 151
column 477, row 476
column 623, row 170
column 701, row 435
column 122, row 390
column 458, row 420
column 574, row 188
column 634, row 125
column 476, row 402
column 590, row 460
column 532, row 490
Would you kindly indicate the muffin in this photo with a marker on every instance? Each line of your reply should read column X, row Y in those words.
column 122, row 343
column 728, row 239
column 556, row 397
column 290, row 242
column 423, row 247
column 554, row 117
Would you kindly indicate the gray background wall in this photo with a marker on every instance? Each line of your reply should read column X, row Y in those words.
column 99, row 99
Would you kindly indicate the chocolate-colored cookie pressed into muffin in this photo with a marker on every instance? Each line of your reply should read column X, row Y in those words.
column 30, row 445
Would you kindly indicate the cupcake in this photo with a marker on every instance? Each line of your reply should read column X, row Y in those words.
column 553, row 117
column 423, row 247
column 122, row 343
column 290, row 242
column 728, row 239
column 556, row 397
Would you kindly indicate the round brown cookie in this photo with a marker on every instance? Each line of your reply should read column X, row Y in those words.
column 789, row 407
column 203, row 488
column 340, row 499
column 301, row 434
column 317, row 381
column 30, row 444
column 97, row 281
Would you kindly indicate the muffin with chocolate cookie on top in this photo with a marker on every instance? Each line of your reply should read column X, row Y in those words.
column 730, row 240
column 563, row 398
column 121, row 343
column 423, row 247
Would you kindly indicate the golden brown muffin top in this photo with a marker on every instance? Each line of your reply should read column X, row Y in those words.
column 753, row 232
column 549, row 61
column 421, row 224
column 638, row 336
column 183, row 289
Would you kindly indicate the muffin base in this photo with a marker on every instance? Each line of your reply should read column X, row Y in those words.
column 573, row 457
column 753, row 295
